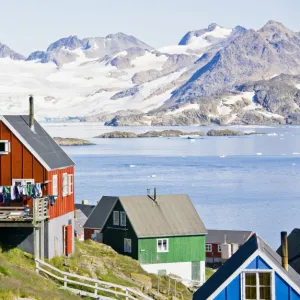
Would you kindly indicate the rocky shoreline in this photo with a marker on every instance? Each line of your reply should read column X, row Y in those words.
column 173, row 133
column 72, row 142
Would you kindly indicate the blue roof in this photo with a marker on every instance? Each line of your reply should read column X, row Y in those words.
column 237, row 260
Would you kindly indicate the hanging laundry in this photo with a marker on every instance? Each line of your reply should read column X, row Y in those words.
column 2, row 198
column 52, row 200
column 1, row 189
column 29, row 189
column 39, row 190
column 20, row 190
column 15, row 193
column 12, row 193
column 25, row 192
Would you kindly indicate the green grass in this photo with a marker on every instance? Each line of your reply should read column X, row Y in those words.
column 208, row 273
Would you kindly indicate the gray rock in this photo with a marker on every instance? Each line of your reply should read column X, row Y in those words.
column 5, row 51
column 130, row 92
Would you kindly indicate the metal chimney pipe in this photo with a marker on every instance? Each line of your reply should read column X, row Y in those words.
column 31, row 113
column 154, row 196
column 284, row 250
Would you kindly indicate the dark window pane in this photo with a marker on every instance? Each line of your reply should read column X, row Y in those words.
column 250, row 279
column 265, row 279
column 250, row 293
column 2, row 147
column 265, row 293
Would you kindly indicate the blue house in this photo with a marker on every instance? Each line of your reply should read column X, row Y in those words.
column 255, row 271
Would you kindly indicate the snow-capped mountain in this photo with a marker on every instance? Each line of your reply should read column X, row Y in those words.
column 68, row 49
column 214, row 75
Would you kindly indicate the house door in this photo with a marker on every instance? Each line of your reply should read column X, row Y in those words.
column 68, row 239
column 196, row 270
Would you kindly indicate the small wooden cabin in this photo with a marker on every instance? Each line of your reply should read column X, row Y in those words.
column 29, row 156
column 164, row 233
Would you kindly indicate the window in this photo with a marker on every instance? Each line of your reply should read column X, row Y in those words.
column 71, row 185
column 208, row 248
column 4, row 147
column 219, row 248
column 22, row 181
column 127, row 245
column 123, row 218
column 257, row 285
column 54, row 185
column 65, row 184
column 162, row 245
column 116, row 216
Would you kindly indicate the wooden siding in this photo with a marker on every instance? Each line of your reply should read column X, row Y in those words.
column 88, row 233
column 114, row 235
column 64, row 204
column 181, row 249
column 21, row 164
column 215, row 252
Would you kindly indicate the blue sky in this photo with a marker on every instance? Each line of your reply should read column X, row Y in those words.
column 34, row 24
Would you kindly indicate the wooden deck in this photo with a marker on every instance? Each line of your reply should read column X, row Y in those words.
column 22, row 214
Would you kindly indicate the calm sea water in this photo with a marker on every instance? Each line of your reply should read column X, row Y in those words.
column 247, row 183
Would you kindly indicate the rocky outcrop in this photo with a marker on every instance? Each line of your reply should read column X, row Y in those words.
column 225, row 132
column 71, row 142
column 172, row 133
column 117, row 134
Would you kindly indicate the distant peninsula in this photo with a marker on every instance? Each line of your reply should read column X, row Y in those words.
column 173, row 133
column 71, row 142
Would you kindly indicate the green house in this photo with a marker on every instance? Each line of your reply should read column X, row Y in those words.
column 164, row 233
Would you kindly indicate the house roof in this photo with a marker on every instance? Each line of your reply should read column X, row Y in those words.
column 293, row 249
column 231, row 236
column 254, row 244
column 79, row 221
column 169, row 215
column 101, row 212
column 39, row 143
column 85, row 208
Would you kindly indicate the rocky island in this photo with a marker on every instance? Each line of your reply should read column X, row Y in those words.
column 72, row 142
column 174, row 133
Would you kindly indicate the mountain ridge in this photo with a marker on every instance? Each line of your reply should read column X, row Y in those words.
column 214, row 75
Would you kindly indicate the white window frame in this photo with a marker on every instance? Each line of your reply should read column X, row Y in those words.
column 160, row 249
column 55, row 185
column 127, row 245
column 22, row 181
column 123, row 218
column 219, row 248
column 6, row 147
column 65, row 186
column 70, row 184
column 208, row 247
column 256, row 271
column 116, row 218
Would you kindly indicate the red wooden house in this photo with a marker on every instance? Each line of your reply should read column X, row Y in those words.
column 215, row 238
column 29, row 156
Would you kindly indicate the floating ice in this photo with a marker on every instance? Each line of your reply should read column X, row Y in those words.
column 153, row 176
column 296, row 153
column 192, row 140
column 132, row 166
column 272, row 134
column 222, row 156
column 293, row 164
column 258, row 153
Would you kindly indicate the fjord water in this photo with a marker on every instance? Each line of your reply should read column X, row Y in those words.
column 246, row 183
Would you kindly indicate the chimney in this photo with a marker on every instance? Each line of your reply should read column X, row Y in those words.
column 154, row 194
column 284, row 250
column 31, row 113
column 85, row 202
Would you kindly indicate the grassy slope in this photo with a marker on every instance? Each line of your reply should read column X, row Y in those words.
column 18, row 277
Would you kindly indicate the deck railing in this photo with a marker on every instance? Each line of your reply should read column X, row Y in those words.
column 38, row 212
column 84, row 286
